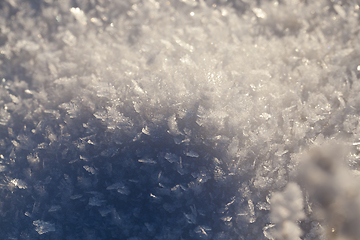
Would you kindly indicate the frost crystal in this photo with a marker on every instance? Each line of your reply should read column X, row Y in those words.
column 43, row 227
column 184, row 119
column 334, row 189
column 79, row 15
column 286, row 211
column 19, row 183
column 120, row 187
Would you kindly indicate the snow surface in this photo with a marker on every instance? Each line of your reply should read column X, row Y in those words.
column 181, row 119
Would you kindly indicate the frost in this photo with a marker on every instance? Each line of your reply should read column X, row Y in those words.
column 33, row 159
column 192, row 154
column 71, row 108
column 191, row 217
column 3, row 168
column 183, row 44
column 146, row 130
column 172, row 158
column 4, row 117
column 334, row 188
column 96, row 202
column 54, row 208
column 74, row 197
column 104, row 212
column 147, row 161
column 137, row 89
column 120, row 188
column 259, row 12
column 27, row 45
column 105, row 90
column 192, row 3
column 19, row 183
column 69, row 38
column 340, row 11
column 203, row 231
column 173, row 126
column 79, row 15
column 90, row 169
column 286, row 211
column 247, row 212
column 43, row 227
column 117, row 118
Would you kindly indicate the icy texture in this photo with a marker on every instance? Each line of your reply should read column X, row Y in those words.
column 43, row 227
column 334, row 189
column 286, row 211
column 177, row 119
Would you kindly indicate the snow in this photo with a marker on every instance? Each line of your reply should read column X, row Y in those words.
column 184, row 119
column 43, row 227
column 286, row 210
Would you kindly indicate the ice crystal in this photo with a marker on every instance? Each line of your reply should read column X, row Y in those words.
column 43, row 227
column 184, row 119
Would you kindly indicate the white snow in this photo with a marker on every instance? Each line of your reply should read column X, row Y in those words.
column 184, row 119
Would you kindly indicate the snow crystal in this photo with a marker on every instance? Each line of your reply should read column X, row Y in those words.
column 19, row 183
column 191, row 217
column 54, row 208
column 69, row 39
column 340, row 11
column 259, row 12
column 192, row 154
column 44, row 227
column 203, row 231
column 286, row 211
column 90, row 169
column 105, row 212
column 3, row 168
column 147, row 160
column 120, row 187
column 329, row 183
column 74, row 197
column 179, row 119
column 95, row 201
column 172, row 158
column 79, row 15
